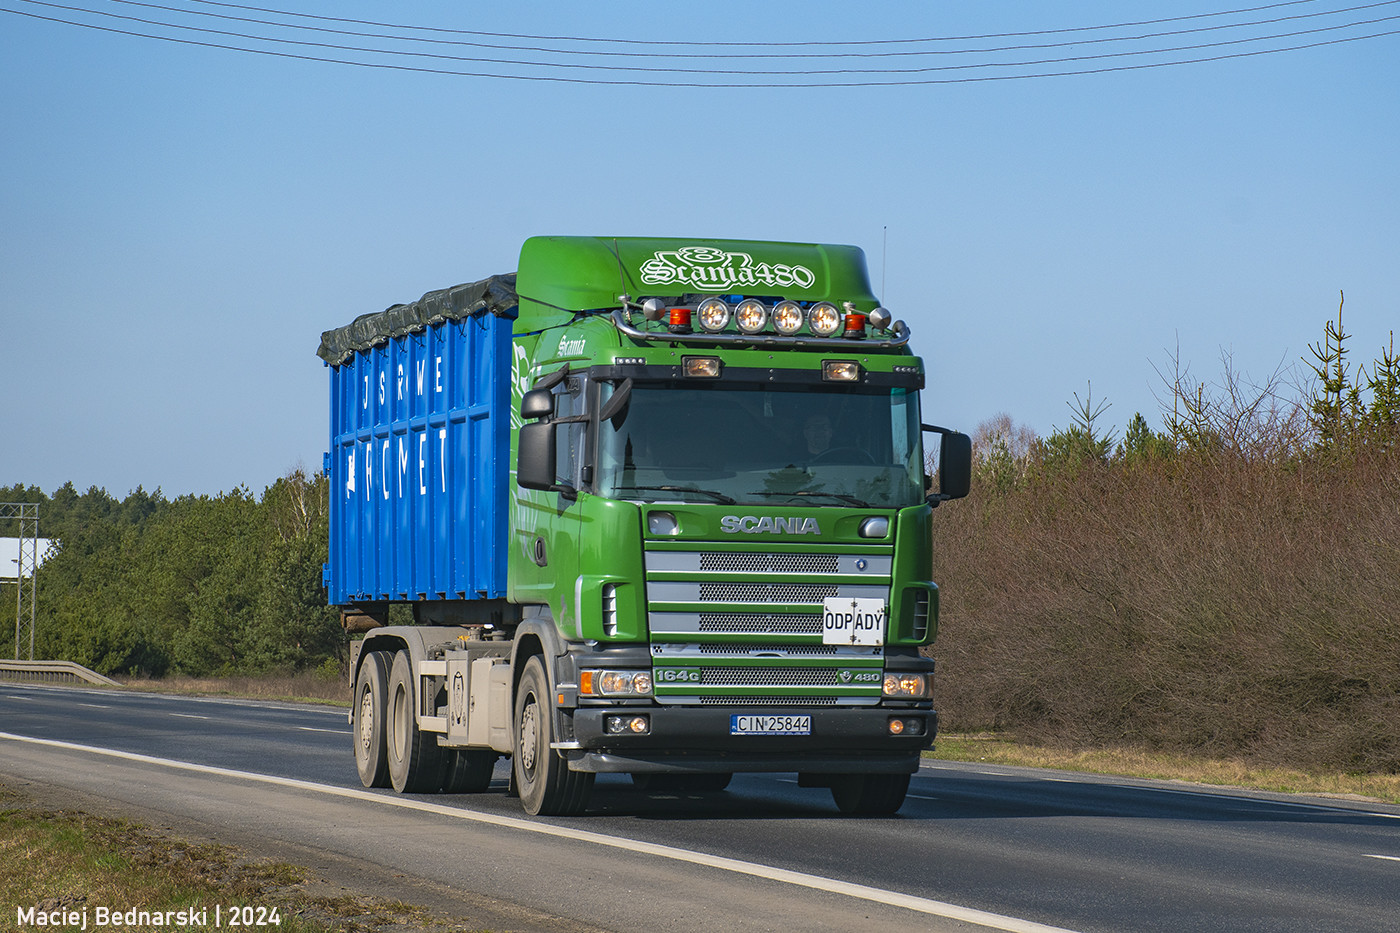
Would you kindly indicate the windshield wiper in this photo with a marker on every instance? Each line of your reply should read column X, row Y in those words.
column 717, row 496
column 851, row 500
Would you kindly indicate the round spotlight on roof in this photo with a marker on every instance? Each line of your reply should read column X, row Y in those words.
column 787, row 318
column 880, row 318
column 824, row 319
column 713, row 314
column 751, row 316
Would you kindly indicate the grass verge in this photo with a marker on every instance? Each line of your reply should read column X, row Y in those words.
column 79, row 865
column 304, row 687
column 995, row 748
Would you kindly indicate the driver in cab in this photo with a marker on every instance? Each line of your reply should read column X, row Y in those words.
column 816, row 431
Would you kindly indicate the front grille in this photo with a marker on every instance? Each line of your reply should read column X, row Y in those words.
column 769, row 677
column 805, row 593
column 751, row 650
column 769, row 563
column 759, row 623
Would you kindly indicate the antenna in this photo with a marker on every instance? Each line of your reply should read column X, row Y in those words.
column 884, row 250
column 625, row 298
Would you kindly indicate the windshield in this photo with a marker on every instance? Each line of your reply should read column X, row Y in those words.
column 799, row 445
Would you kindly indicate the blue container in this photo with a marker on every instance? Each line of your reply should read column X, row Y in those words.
column 419, row 465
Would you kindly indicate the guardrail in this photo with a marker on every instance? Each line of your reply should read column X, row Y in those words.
column 51, row 672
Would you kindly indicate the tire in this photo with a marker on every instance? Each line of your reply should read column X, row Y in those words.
column 654, row 783
column 367, row 730
column 546, row 785
column 869, row 794
column 467, row 770
column 415, row 760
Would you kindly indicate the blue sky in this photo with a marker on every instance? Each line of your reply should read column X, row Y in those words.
column 180, row 223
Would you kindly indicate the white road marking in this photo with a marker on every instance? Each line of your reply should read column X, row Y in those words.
column 331, row 731
column 95, row 705
column 1204, row 791
column 752, row 869
column 1388, row 858
column 189, row 716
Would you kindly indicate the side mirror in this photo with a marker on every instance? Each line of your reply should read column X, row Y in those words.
column 954, row 465
column 534, row 466
column 537, row 403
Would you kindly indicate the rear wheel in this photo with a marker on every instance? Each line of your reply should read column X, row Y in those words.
column 415, row 759
column 371, row 693
column 869, row 794
column 542, row 777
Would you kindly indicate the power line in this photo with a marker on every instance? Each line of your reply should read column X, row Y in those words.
column 695, row 43
column 694, row 84
column 805, row 73
column 749, row 54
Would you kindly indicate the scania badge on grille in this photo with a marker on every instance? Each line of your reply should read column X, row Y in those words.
column 754, row 525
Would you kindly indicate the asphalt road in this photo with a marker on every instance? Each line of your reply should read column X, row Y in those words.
column 973, row 848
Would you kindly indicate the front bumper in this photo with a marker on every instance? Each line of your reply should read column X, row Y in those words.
column 698, row 739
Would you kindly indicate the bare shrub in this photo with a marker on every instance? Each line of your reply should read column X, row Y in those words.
column 1235, row 593
column 1218, row 607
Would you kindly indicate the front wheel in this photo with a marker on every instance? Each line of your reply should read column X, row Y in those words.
column 542, row 777
column 869, row 794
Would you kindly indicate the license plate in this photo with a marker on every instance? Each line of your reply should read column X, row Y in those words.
column 770, row 725
column 847, row 621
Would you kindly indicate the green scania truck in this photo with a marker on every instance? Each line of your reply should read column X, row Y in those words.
column 654, row 507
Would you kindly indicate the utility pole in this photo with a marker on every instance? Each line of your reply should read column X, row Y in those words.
column 27, row 565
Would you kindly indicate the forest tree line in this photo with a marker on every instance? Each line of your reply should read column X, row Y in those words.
column 197, row 585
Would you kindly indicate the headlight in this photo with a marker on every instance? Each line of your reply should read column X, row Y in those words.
column 906, row 685
column 824, row 319
column 751, row 316
column 713, row 314
column 614, row 683
column 787, row 318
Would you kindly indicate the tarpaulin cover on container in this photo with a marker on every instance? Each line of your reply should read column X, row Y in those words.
column 420, row 447
column 495, row 295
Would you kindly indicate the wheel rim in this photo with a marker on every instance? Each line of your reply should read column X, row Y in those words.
column 366, row 721
column 400, row 722
column 529, row 734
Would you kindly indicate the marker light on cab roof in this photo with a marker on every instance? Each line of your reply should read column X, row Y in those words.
column 705, row 367
column 841, row 370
